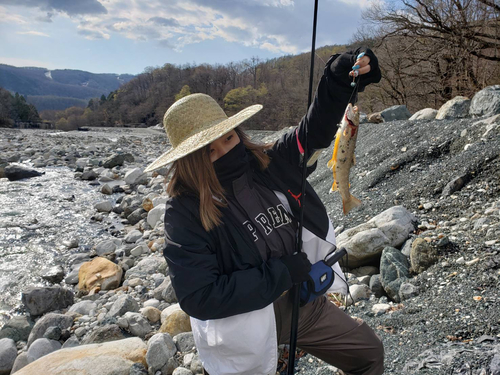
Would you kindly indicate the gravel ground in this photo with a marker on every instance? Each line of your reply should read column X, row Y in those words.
column 453, row 325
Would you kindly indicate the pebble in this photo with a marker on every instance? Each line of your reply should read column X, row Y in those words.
column 380, row 308
column 460, row 260
column 472, row 262
column 79, row 332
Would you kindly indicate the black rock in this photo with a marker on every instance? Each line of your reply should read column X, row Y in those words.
column 38, row 301
column 117, row 159
column 89, row 175
column 456, row 184
column 19, row 172
column 53, row 333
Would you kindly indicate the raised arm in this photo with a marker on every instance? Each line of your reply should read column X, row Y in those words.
column 332, row 95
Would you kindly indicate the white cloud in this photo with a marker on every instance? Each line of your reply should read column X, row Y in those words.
column 8, row 17
column 37, row 33
column 363, row 4
column 279, row 26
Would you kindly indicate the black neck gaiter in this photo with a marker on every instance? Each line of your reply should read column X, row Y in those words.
column 232, row 165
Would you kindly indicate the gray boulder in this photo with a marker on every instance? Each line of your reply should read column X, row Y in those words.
column 39, row 301
column 122, row 305
column 161, row 348
column 8, row 355
column 422, row 255
column 117, row 159
column 71, row 342
column 133, row 236
column 138, row 369
column 53, row 275
column 396, row 112
column 486, row 102
column 21, row 361
column 184, row 342
column 458, row 107
column 105, row 247
column 135, row 177
column 109, row 332
column 407, row 291
column 137, row 324
column 53, row 333
column 196, row 365
column 359, row 292
column 83, row 307
column 376, row 286
column 424, row 114
column 72, row 277
column 365, row 242
column 394, row 270
column 19, row 172
column 49, row 320
column 165, row 291
column 41, row 347
column 136, row 216
column 406, row 249
column 145, row 267
column 18, row 328
column 156, row 215
column 104, row 206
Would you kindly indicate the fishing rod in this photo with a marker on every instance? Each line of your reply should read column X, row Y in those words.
column 296, row 289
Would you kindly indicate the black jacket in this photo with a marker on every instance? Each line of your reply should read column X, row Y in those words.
column 221, row 273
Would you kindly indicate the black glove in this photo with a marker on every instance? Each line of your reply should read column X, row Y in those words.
column 341, row 65
column 298, row 265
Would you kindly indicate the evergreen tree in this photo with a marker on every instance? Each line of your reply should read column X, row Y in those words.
column 185, row 91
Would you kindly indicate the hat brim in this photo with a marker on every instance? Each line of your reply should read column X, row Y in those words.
column 203, row 138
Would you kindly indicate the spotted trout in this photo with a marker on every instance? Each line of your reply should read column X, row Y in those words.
column 343, row 157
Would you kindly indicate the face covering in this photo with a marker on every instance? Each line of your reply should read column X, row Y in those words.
column 233, row 164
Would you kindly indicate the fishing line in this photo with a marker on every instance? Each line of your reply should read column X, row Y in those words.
column 356, row 85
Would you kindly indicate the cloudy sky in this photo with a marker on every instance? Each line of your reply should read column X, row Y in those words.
column 125, row 36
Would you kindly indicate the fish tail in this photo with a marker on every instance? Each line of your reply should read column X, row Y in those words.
column 350, row 203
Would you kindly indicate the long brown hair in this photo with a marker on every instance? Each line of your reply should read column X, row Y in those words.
column 195, row 174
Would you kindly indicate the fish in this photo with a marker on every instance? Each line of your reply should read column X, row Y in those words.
column 343, row 157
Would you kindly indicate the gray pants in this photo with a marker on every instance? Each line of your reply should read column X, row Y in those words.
column 328, row 333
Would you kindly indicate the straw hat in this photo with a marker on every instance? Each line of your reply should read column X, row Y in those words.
column 195, row 121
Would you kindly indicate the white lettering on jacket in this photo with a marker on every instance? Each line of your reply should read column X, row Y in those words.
column 277, row 216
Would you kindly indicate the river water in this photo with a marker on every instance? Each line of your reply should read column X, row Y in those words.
column 39, row 215
column 36, row 216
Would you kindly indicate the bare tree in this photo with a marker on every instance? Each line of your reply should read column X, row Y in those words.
column 432, row 50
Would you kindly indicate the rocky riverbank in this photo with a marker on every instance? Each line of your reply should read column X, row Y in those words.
column 424, row 248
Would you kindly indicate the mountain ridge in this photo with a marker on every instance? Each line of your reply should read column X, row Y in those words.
column 51, row 89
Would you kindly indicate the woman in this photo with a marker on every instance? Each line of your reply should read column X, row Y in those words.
column 230, row 232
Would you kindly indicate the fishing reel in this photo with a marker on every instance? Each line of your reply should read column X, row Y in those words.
column 321, row 278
